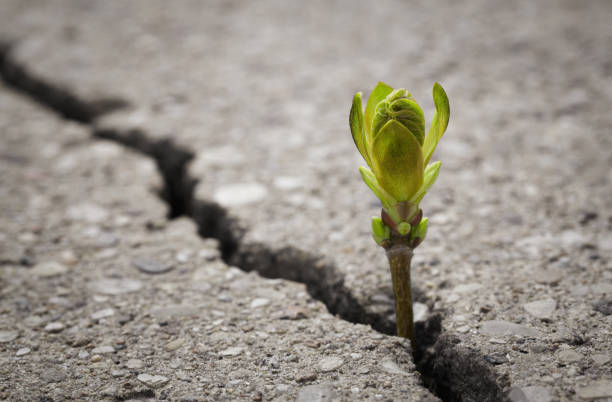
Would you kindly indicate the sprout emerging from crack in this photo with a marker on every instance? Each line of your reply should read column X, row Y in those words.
column 390, row 135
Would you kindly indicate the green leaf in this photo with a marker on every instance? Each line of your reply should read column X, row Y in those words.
column 380, row 231
column 404, row 110
column 357, row 130
column 385, row 198
column 431, row 174
column 378, row 94
column 439, row 122
column 420, row 230
column 397, row 161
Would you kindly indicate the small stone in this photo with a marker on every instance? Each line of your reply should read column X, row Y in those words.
column 330, row 364
column 8, row 336
column 117, row 373
column 306, row 376
column 529, row 394
column 542, row 309
column 597, row 389
column 53, row 375
column 106, row 239
column 98, row 315
column 83, row 354
column 48, row 269
column 87, row 212
column 96, row 358
column 569, row 356
column 467, row 288
column 113, row 286
column 496, row 358
column 391, row 367
column 288, row 182
column 153, row 381
column 22, row 352
column 355, row 356
column 547, row 276
column 150, row 266
column 233, row 351
column 419, row 311
column 294, row 313
column 505, row 328
column 134, row 364
column 604, row 306
column 69, row 257
column 317, row 393
column 104, row 349
column 259, row 302
column 240, row 194
column 600, row 359
column 175, row 344
column 54, row 327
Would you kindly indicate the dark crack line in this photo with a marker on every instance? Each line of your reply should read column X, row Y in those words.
column 451, row 371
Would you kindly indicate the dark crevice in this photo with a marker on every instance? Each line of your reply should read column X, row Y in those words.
column 52, row 96
column 451, row 371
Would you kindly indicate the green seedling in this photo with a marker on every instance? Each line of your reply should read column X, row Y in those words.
column 390, row 135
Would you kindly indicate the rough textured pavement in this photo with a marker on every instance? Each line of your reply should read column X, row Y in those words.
column 244, row 105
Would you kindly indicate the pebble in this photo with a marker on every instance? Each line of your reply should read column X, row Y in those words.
column 152, row 381
column 240, row 194
column 600, row 359
column 112, row 286
column 104, row 349
column 529, row 394
column 48, row 269
column 23, row 352
column 597, row 389
column 604, row 306
column 505, row 328
column 175, row 344
column 547, row 276
column 259, row 302
column 355, row 356
column 54, row 327
column 330, row 364
column 288, row 182
column 98, row 315
column 134, row 364
column 569, row 356
column 151, row 266
column 53, row 375
column 496, row 358
column 233, row 351
column 106, row 239
column 542, row 309
column 8, row 336
column 391, row 367
column 306, row 376
column 69, row 257
column 317, row 393
column 88, row 212
column 83, row 354
column 467, row 288
column 96, row 358
column 117, row 373
column 419, row 311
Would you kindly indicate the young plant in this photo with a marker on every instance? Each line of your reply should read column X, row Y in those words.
column 390, row 135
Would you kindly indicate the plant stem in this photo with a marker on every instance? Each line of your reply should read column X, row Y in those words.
column 400, row 256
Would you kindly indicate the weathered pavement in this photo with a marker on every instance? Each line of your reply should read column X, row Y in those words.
column 251, row 101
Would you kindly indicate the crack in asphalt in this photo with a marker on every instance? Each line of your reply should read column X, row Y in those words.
column 451, row 371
